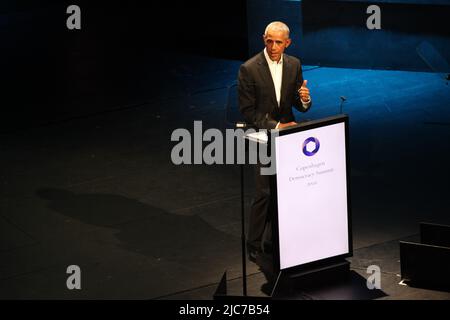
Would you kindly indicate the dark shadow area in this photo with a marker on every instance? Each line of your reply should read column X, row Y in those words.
column 51, row 73
column 146, row 229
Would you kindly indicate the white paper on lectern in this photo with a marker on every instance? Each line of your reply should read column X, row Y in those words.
column 259, row 136
column 312, row 196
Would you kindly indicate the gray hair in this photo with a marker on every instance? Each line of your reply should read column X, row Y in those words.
column 277, row 26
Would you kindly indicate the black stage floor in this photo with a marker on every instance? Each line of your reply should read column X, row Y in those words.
column 96, row 188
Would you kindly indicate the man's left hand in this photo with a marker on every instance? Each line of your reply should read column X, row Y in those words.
column 304, row 92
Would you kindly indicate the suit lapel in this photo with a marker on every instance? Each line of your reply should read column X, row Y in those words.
column 264, row 71
column 284, row 79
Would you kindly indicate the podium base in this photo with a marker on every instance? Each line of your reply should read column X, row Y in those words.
column 327, row 282
column 331, row 282
column 290, row 284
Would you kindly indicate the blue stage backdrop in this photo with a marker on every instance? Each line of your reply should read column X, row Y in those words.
column 414, row 34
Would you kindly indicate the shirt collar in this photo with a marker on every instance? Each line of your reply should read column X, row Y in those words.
column 269, row 61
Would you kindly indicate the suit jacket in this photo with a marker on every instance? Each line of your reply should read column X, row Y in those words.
column 257, row 98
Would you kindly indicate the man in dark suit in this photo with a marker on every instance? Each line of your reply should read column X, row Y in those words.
column 269, row 84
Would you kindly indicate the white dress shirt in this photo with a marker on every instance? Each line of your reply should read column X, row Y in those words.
column 276, row 70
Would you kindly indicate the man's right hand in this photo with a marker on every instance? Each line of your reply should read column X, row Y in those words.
column 285, row 125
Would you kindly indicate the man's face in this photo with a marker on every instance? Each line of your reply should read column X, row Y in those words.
column 276, row 42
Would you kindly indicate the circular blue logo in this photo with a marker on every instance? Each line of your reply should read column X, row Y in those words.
column 311, row 146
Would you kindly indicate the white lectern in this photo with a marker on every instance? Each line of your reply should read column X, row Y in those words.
column 310, row 203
